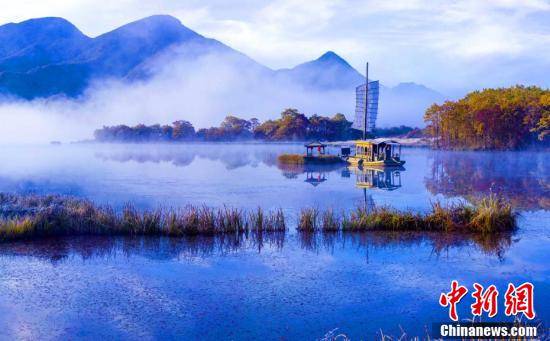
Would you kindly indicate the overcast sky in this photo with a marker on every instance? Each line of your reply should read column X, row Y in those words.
column 451, row 46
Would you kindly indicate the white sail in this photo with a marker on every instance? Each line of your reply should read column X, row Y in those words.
column 372, row 108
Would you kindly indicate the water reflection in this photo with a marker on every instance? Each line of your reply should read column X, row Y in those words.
column 315, row 174
column 59, row 250
column 496, row 244
column 231, row 156
column 522, row 178
column 157, row 248
column 388, row 179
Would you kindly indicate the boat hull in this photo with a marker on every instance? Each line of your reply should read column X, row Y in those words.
column 379, row 163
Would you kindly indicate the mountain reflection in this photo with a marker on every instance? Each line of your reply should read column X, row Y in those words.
column 524, row 178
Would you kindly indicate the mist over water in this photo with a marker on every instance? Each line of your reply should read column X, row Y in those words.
column 202, row 90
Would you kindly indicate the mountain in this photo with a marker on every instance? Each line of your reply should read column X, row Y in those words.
column 47, row 57
column 407, row 102
column 404, row 103
column 330, row 71
column 50, row 56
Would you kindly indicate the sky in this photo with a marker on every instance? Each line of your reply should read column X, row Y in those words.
column 451, row 46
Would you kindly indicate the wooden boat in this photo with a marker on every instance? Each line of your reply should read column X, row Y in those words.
column 377, row 153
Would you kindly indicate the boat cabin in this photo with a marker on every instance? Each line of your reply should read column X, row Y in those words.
column 378, row 150
column 312, row 146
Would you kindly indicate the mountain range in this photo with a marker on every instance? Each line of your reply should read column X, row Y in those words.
column 45, row 57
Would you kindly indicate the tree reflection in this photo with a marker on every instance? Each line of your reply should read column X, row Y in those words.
column 231, row 156
column 522, row 178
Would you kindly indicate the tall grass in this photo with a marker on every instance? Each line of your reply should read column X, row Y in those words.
column 41, row 216
column 298, row 159
column 488, row 215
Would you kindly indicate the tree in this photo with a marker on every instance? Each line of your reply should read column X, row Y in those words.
column 235, row 123
column 182, row 130
column 504, row 118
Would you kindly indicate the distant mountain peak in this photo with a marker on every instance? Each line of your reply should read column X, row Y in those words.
column 332, row 57
column 47, row 21
column 154, row 27
column 158, row 19
column 46, row 25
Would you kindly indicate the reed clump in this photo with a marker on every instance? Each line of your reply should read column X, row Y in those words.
column 489, row 215
column 308, row 220
column 23, row 217
column 292, row 159
column 298, row 159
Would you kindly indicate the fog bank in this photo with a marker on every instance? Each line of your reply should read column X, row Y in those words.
column 201, row 89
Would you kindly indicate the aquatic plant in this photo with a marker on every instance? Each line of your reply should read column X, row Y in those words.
column 330, row 222
column 489, row 215
column 493, row 214
column 298, row 159
column 292, row 159
column 308, row 220
column 33, row 216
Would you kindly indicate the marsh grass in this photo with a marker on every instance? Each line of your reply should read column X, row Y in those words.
column 292, row 159
column 489, row 215
column 308, row 220
column 32, row 216
column 299, row 159
column 42, row 216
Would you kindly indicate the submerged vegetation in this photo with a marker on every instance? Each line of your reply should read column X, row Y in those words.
column 492, row 119
column 488, row 215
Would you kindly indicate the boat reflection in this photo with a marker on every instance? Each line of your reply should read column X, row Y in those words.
column 387, row 179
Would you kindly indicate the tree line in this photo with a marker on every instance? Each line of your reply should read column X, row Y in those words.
column 291, row 126
column 492, row 119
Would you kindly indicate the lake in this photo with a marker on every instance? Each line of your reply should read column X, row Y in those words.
column 293, row 286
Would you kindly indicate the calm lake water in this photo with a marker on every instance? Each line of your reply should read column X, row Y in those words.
column 291, row 286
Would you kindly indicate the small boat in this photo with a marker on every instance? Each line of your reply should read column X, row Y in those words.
column 377, row 153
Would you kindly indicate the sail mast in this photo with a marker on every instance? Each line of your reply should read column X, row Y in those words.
column 366, row 102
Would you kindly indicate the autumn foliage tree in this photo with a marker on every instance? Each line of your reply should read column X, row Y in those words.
column 292, row 126
column 492, row 119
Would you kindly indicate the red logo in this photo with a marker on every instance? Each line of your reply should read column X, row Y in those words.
column 518, row 300
column 452, row 298
column 484, row 300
